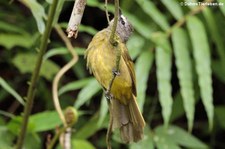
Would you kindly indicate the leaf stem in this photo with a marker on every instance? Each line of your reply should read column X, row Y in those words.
column 35, row 75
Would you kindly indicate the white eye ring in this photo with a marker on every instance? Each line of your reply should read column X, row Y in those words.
column 123, row 20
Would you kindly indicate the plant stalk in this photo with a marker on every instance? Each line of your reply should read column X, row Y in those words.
column 35, row 75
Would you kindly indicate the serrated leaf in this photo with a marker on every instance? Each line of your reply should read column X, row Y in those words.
column 82, row 144
column 11, row 40
column 25, row 62
column 74, row 85
column 38, row 13
column 139, row 26
column 174, row 8
column 86, row 93
column 11, row 91
column 184, row 70
column 213, row 28
column 178, row 136
column 150, row 9
column 142, row 69
column 202, row 59
column 134, row 44
column 163, row 72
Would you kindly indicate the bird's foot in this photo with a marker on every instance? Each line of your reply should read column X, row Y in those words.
column 108, row 95
column 116, row 72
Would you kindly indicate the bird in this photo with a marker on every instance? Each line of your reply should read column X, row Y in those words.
column 101, row 62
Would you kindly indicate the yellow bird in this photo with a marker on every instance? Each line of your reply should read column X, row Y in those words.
column 101, row 61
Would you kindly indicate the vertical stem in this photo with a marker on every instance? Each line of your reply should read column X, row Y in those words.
column 35, row 76
column 116, row 15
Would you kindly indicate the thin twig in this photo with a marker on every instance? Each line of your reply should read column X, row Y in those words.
column 35, row 75
column 55, row 88
column 109, row 131
column 114, row 42
column 75, row 18
column 62, row 72
column 106, row 11
column 59, row 75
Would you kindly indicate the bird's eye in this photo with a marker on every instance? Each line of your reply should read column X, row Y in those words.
column 123, row 22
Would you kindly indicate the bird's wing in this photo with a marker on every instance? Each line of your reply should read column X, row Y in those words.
column 130, row 66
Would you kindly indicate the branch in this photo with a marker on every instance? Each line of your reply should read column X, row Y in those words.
column 75, row 18
column 35, row 75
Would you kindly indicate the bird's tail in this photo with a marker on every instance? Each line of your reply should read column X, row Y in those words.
column 128, row 119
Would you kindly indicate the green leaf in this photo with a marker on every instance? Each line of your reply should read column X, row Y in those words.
column 12, row 28
column 135, row 44
column 222, row 8
column 86, row 93
column 146, row 142
column 38, row 13
column 177, row 110
column 74, row 85
column 10, row 90
column 216, row 37
column 88, row 29
column 202, row 60
column 177, row 136
column 11, row 40
column 89, row 128
column 103, row 110
column 62, row 51
column 139, row 26
column 82, row 144
column 150, row 9
column 162, row 140
column 142, row 69
column 220, row 116
column 184, row 70
column 218, row 70
column 174, row 8
column 94, row 3
column 163, row 72
column 30, row 140
column 25, row 62
column 44, row 121
column 7, row 138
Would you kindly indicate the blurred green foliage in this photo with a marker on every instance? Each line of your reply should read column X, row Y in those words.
column 179, row 60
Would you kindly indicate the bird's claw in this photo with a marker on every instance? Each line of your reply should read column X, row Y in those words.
column 108, row 95
column 116, row 72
